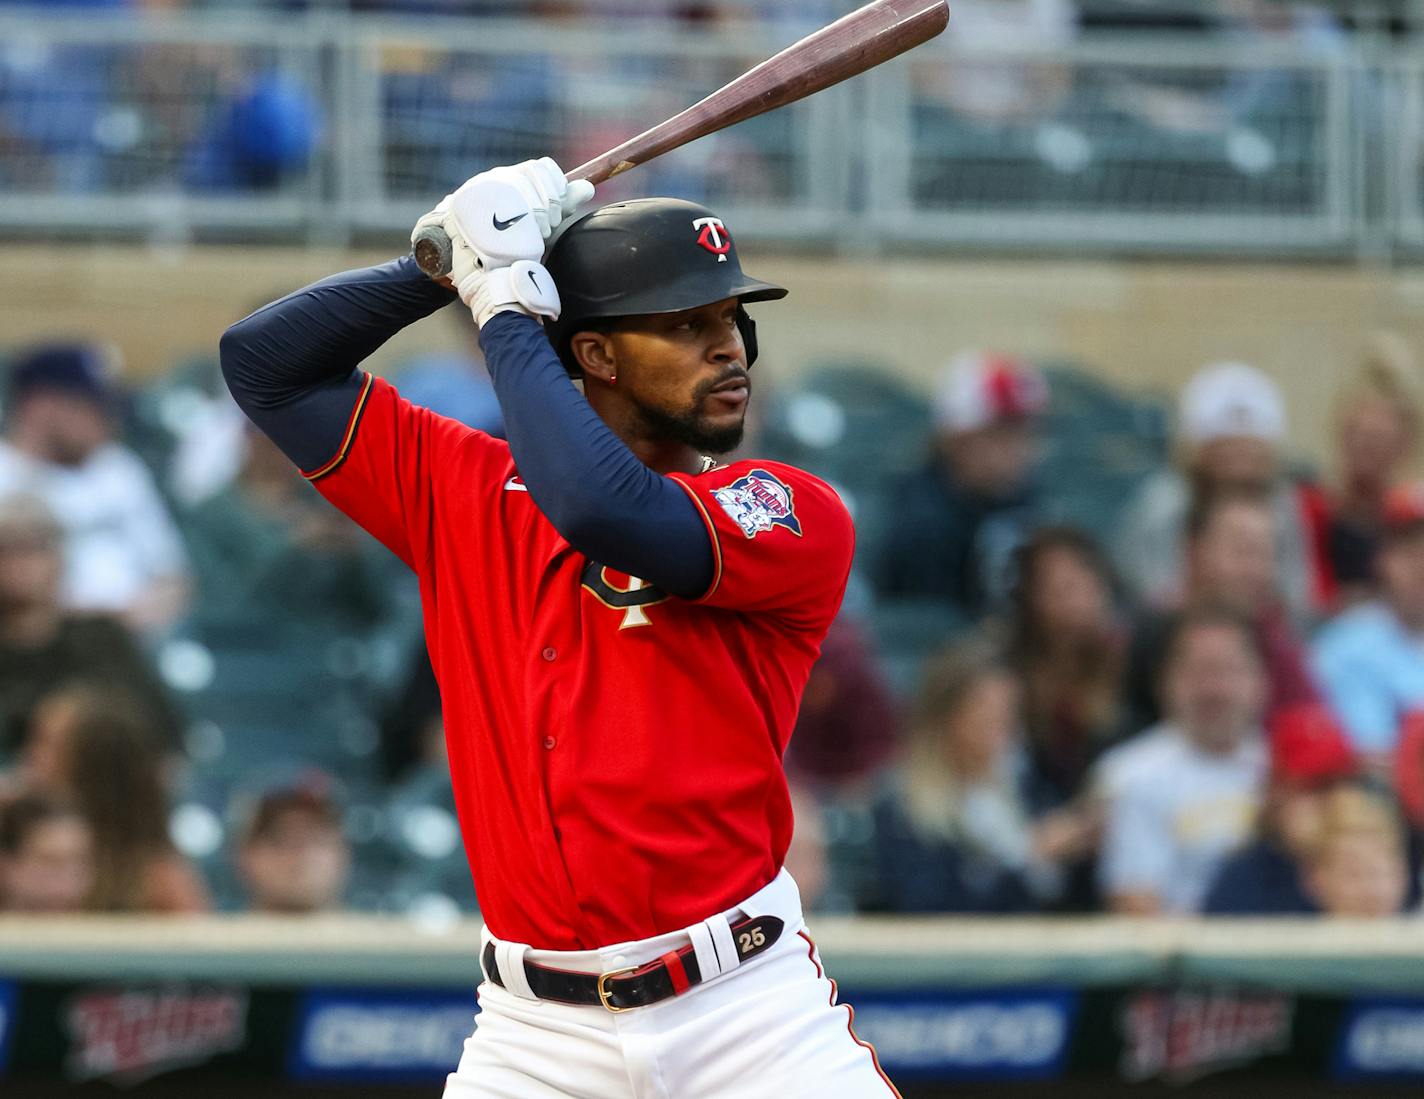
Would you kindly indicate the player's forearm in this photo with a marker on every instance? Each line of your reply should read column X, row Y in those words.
column 291, row 366
column 593, row 489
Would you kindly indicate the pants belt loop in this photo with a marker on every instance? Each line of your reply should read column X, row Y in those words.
column 509, row 957
column 723, row 942
column 706, row 953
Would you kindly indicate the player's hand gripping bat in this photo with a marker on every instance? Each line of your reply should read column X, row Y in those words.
column 859, row 41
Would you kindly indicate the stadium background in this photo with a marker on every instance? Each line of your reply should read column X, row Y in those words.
column 1118, row 191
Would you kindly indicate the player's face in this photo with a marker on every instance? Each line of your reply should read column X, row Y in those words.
column 686, row 374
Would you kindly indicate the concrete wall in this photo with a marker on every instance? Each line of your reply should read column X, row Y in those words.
column 1140, row 324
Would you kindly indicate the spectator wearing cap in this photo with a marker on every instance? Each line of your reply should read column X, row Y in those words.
column 1310, row 757
column 293, row 857
column 1180, row 797
column 46, row 856
column 1232, row 426
column 1377, row 421
column 1231, row 563
column 960, row 518
column 1370, row 659
column 123, row 554
column 44, row 647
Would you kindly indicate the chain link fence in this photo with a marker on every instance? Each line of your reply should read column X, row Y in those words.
column 327, row 126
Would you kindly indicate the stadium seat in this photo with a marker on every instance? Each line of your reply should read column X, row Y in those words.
column 907, row 631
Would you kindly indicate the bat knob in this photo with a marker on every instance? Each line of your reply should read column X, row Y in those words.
column 432, row 252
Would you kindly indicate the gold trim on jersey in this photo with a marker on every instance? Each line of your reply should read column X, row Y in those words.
column 716, row 541
column 351, row 424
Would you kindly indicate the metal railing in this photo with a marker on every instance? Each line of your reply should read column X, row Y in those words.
column 331, row 127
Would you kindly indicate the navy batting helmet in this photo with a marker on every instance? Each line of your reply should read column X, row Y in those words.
column 647, row 255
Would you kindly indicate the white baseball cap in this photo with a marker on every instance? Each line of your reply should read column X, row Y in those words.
column 979, row 388
column 1231, row 399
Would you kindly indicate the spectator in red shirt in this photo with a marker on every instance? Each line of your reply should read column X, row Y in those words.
column 848, row 725
column 1377, row 429
column 1231, row 564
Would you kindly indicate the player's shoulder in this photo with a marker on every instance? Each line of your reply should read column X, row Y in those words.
column 457, row 438
column 761, row 490
column 767, row 471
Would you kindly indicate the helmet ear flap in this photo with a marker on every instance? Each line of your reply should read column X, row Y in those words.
column 747, row 327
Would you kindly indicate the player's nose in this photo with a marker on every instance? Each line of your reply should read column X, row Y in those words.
column 728, row 346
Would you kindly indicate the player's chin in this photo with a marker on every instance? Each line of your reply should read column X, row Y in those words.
column 720, row 434
column 718, row 416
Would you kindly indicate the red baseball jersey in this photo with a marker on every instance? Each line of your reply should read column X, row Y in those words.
column 616, row 752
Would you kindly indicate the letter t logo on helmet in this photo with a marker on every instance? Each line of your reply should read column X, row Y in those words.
column 634, row 258
column 714, row 237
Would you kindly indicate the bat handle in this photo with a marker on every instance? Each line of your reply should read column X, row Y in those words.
column 432, row 250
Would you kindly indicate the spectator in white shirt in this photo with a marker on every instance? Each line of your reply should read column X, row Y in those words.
column 1182, row 796
column 123, row 554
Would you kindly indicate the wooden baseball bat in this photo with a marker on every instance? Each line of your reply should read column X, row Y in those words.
column 852, row 44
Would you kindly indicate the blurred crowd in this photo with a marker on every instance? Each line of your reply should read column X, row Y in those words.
column 89, row 116
column 1207, row 699
column 1170, row 675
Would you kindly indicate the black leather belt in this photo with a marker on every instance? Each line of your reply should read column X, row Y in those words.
column 669, row 975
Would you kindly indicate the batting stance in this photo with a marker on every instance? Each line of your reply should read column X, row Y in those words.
column 621, row 628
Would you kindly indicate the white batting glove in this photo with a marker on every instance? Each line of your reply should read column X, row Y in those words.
column 506, row 214
column 525, row 286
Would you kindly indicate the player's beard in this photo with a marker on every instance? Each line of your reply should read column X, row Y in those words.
column 691, row 425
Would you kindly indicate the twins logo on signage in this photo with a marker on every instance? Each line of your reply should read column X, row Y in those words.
column 1180, row 1035
column 127, row 1035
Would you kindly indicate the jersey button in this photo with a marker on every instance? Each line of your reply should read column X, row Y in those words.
column 550, row 653
column 549, row 743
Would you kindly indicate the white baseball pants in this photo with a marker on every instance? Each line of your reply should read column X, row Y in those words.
column 770, row 1028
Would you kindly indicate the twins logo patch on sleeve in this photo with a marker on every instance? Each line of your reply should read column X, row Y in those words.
column 759, row 502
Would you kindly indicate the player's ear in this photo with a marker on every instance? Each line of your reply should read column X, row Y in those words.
column 594, row 353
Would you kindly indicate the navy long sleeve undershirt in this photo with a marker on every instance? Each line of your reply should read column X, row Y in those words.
column 292, row 367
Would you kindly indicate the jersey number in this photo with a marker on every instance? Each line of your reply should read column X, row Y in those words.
column 630, row 600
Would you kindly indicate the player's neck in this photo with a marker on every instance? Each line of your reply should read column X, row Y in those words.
column 665, row 455
column 654, row 449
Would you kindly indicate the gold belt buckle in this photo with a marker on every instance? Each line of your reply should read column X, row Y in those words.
column 604, row 992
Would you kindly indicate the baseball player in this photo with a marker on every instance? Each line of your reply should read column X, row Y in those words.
column 621, row 626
